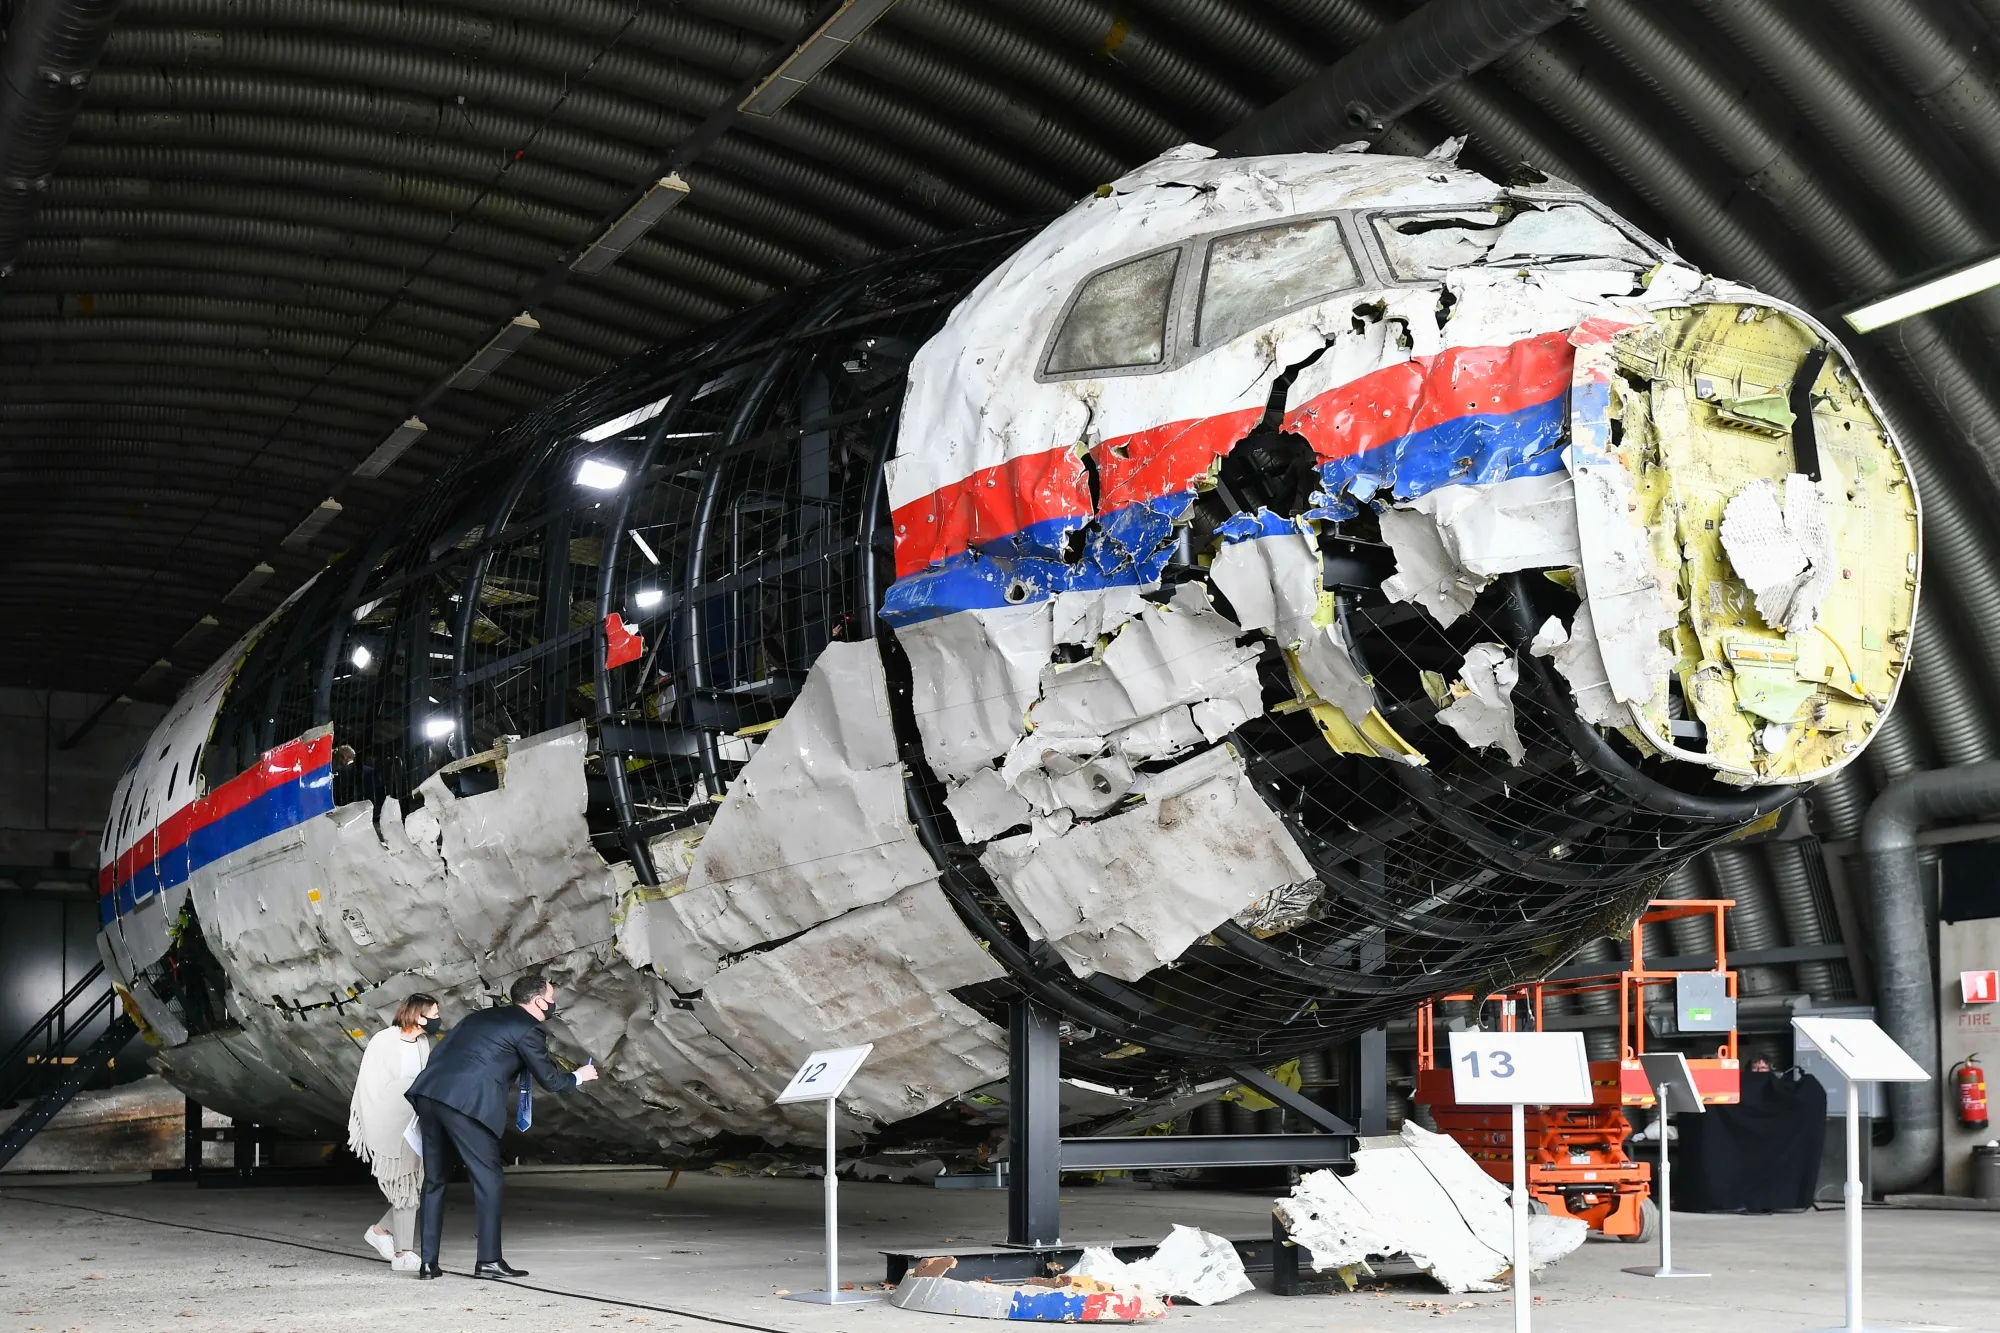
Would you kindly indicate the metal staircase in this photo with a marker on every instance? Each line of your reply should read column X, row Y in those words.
column 56, row 1033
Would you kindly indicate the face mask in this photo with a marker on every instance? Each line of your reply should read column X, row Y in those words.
column 434, row 1025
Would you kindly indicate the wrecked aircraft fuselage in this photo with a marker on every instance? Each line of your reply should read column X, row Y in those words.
column 1277, row 591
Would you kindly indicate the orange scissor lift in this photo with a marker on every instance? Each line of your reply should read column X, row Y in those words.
column 1579, row 1168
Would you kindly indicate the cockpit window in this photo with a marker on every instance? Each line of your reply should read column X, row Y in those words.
column 1425, row 245
column 1119, row 318
column 1253, row 275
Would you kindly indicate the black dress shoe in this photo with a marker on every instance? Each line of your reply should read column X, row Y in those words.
column 428, row 1271
column 498, row 1268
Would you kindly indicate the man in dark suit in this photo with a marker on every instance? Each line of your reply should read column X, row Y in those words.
column 475, row 1083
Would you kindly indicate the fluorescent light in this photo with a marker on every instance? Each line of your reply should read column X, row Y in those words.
column 599, row 475
column 361, row 657
column 660, row 197
column 1956, row 285
column 644, row 549
column 391, row 449
column 312, row 525
column 501, row 346
column 633, row 418
column 647, row 597
column 437, row 728
column 249, row 582
column 814, row 54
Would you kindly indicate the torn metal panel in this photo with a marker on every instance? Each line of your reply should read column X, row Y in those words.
column 1418, row 1194
column 815, row 825
column 1132, row 891
column 1274, row 584
column 1631, row 599
column 972, row 678
column 1426, row 573
column 984, row 806
column 1482, row 707
column 881, row 974
column 1189, row 1265
column 1182, row 652
column 1576, row 656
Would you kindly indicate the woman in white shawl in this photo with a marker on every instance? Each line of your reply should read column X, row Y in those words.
column 379, row 1121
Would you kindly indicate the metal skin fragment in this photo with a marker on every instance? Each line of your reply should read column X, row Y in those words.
column 1132, row 721
column 1129, row 892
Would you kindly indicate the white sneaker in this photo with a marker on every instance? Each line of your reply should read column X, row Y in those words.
column 381, row 1244
column 407, row 1262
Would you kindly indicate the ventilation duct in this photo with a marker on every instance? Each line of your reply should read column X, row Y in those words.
column 1906, row 996
column 1357, row 96
column 51, row 50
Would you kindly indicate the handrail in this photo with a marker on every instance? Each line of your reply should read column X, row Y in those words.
column 12, row 1086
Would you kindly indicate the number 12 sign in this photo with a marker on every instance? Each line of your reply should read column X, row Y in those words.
column 824, row 1075
column 1519, row 1068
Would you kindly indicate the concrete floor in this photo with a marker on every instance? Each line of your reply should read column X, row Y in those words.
column 619, row 1249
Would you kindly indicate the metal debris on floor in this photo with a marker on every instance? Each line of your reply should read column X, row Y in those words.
column 1190, row 1264
column 1420, row 1195
column 1065, row 1299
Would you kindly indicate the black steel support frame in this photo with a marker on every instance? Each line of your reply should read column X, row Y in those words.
column 1038, row 1154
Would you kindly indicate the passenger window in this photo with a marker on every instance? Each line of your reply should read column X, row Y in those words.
column 1119, row 318
column 1254, row 275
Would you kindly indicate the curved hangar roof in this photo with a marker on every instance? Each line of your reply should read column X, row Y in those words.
column 278, row 230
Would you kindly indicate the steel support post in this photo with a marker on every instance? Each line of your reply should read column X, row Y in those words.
column 1034, row 1130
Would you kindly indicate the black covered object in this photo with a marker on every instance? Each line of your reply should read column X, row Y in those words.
column 1759, row 1156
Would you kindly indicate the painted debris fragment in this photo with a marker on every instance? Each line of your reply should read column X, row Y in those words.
column 1417, row 1195
column 1189, row 1265
column 1065, row 1299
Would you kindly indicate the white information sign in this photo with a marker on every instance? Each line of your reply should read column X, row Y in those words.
column 1519, row 1068
column 822, row 1078
column 1861, row 1051
column 824, row 1074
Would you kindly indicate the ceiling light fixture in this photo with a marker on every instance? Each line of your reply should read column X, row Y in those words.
column 1926, row 294
column 644, row 549
column 647, row 598
column 437, row 728
column 636, row 416
column 501, row 346
column 660, row 198
column 361, row 657
column 391, row 449
column 312, row 525
column 250, row 582
column 827, row 44
column 599, row 475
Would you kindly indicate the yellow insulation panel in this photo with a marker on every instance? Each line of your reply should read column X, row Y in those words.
column 1703, row 414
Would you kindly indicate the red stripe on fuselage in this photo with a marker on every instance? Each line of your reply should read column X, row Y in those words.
column 1396, row 401
column 283, row 764
column 1376, row 409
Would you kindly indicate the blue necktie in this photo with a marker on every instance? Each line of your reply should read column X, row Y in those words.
column 524, row 1109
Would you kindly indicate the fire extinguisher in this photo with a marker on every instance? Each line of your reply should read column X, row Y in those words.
column 1970, row 1081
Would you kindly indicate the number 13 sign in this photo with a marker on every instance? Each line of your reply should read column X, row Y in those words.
column 1519, row 1068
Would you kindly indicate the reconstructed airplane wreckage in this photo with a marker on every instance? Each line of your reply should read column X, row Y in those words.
column 1279, row 590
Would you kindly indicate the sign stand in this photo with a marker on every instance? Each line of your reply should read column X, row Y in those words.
column 1673, row 1092
column 1862, row 1052
column 1517, row 1070
column 823, row 1077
